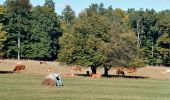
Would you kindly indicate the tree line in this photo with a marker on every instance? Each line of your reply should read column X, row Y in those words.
column 98, row 36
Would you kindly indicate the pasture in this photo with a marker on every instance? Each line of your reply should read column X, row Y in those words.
column 26, row 85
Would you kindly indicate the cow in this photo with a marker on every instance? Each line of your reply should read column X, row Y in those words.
column 69, row 74
column 96, row 75
column 131, row 70
column 120, row 71
column 76, row 68
column 49, row 70
column 19, row 67
column 43, row 62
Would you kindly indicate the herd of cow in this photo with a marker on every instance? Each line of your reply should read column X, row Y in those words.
column 119, row 71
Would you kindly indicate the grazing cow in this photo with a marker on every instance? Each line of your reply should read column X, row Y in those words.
column 76, row 68
column 69, row 74
column 131, row 70
column 120, row 71
column 19, row 67
column 49, row 69
column 43, row 62
column 96, row 75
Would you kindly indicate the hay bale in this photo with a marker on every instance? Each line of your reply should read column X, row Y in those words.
column 48, row 82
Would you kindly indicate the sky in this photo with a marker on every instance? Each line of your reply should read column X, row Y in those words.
column 79, row 5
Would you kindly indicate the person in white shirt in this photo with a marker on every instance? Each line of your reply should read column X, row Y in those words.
column 58, row 79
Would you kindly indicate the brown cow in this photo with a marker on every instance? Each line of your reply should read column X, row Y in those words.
column 120, row 71
column 96, row 75
column 43, row 62
column 76, row 68
column 19, row 67
column 50, row 70
column 131, row 70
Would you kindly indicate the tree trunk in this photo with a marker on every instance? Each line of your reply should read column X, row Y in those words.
column 106, row 71
column 93, row 69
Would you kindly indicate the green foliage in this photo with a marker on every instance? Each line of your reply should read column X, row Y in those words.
column 164, row 44
column 15, row 7
column 164, row 39
column 16, row 25
column 95, row 41
column 50, row 4
column 2, row 39
column 45, row 31
column 153, row 29
column 2, row 32
column 68, row 15
column 2, row 9
column 97, row 37
column 38, row 29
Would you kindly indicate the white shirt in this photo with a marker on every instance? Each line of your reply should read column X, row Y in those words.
column 53, row 76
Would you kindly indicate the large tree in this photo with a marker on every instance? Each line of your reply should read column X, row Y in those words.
column 17, row 26
column 95, row 41
column 68, row 15
column 45, row 32
column 50, row 3
column 163, row 41
column 2, row 32
column 145, row 25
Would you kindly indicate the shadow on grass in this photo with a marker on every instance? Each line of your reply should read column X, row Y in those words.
column 116, row 76
column 6, row 72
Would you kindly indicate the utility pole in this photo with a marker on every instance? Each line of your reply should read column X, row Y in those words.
column 19, row 45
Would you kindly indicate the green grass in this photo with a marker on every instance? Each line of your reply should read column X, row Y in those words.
column 28, row 87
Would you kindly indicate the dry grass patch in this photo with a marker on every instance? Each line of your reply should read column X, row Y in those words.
column 35, row 68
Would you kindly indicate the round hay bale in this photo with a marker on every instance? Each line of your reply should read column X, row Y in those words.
column 48, row 82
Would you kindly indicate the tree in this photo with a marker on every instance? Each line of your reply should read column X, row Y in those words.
column 2, row 36
column 95, row 41
column 50, row 3
column 2, row 32
column 1, row 9
column 17, row 26
column 145, row 25
column 45, row 31
column 164, row 48
column 68, row 15
column 163, row 41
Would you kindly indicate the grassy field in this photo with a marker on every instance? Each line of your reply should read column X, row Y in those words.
column 27, row 85
column 20, row 86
